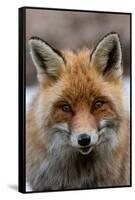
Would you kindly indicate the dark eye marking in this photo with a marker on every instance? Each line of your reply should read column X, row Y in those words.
column 98, row 104
column 66, row 108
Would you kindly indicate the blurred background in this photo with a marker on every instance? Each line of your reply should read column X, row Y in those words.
column 74, row 30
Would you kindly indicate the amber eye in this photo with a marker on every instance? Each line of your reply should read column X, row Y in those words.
column 98, row 104
column 66, row 108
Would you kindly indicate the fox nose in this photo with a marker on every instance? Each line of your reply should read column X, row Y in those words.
column 84, row 140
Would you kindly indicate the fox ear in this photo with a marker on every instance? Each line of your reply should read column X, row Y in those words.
column 46, row 59
column 107, row 56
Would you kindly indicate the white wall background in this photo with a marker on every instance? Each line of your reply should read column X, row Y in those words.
column 9, row 98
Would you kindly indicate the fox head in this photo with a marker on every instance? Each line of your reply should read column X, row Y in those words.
column 80, row 103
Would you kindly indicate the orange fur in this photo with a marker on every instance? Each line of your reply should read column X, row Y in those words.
column 79, row 84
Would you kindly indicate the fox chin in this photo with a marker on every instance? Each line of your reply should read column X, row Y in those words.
column 77, row 130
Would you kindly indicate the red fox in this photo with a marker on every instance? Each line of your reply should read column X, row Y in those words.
column 78, row 133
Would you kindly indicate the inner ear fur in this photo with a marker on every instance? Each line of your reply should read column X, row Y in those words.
column 46, row 59
column 106, row 57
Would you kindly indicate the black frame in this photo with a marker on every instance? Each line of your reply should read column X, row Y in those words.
column 22, row 99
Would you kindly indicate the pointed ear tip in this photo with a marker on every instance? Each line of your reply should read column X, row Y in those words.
column 35, row 42
column 35, row 39
column 114, row 35
column 32, row 41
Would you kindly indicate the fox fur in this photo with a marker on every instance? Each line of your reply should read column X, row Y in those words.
column 78, row 93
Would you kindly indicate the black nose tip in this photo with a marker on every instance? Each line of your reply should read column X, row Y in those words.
column 84, row 140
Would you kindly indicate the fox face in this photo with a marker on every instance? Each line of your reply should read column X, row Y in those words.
column 80, row 106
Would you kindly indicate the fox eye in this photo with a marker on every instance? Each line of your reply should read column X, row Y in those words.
column 66, row 108
column 98, row 104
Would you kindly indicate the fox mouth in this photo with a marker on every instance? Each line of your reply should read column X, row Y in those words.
column 85, row 150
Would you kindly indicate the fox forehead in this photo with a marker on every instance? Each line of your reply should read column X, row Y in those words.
column 79, row 81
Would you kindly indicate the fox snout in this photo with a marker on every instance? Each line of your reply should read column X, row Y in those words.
column 84, row 142
column 84, row 139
